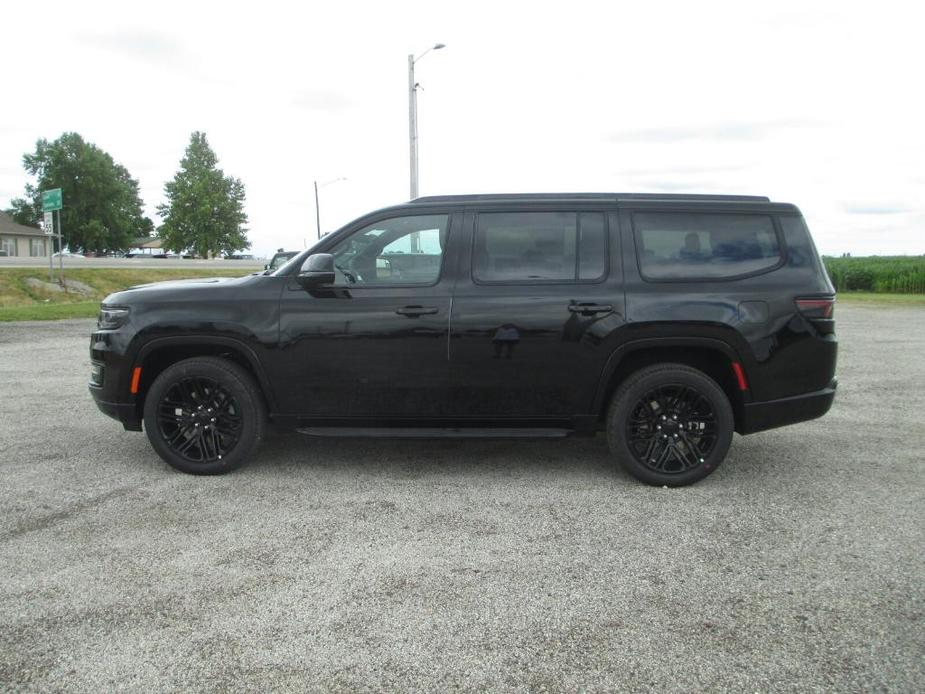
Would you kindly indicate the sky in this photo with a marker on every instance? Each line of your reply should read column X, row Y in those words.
column 815, row 103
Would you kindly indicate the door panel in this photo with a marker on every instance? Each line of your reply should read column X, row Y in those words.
column 374, row 345
column 532, row 349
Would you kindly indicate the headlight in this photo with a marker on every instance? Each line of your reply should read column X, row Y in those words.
column 111, row 317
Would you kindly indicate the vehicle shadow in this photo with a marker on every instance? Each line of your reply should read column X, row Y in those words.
column 416, row 458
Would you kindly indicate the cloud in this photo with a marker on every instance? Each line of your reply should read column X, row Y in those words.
column 681, row 170
column 322, row 100
column 731, row 131
column 875, row 208
column 675, row 186
column 147, row 46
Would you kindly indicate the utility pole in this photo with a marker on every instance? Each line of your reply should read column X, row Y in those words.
column 413, row 126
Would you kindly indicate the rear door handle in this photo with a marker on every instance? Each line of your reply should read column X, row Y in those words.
column 412, row 311
column 589, row 309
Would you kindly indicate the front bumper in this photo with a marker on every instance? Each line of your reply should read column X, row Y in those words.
column 126, row 413
column 760, row 416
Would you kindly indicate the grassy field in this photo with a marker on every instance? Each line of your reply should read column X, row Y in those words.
column 19, row 301
column 903, row 274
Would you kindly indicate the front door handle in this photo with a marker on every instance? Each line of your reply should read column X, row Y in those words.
column 414, row 311
column 589, row 309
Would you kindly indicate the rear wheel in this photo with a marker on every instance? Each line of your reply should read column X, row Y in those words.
column 204, row 415
column 670, row 424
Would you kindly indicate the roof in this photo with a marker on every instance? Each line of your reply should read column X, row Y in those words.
column 9, row 227
column 147, row 242
column 608, row 197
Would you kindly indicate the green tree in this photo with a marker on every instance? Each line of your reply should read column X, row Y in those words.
column 102, row 207
column 204, row 211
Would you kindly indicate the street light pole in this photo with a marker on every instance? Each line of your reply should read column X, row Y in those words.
column 317, row 212
column 318, row 205
column 413, row 116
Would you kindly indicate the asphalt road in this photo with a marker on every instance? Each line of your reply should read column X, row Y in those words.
column 338, row 565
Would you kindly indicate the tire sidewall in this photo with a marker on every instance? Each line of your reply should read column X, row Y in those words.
column 236, row 382
column 629, row 394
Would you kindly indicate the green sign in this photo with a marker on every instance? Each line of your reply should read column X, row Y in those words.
column 51, row 200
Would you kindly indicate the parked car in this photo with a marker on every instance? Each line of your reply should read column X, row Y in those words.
column 279, row 259
column 69, row 255
column 668, row 322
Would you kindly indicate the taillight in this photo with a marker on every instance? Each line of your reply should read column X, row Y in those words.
column 817, row 308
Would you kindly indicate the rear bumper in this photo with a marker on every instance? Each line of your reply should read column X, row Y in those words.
column 759, row 416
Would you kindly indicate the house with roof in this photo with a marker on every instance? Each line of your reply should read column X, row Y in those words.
column 20, row 240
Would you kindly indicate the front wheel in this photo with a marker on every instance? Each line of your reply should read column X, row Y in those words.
column 204, row 416
column 669, row 425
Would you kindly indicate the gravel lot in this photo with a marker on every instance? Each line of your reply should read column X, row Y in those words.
column 341, row 565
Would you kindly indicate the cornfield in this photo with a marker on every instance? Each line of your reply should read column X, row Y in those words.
column 899, row 274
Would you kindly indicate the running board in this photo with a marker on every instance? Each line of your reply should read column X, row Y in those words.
column 436, row 432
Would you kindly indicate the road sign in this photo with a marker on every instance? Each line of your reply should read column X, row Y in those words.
column 51, row 200
column 48, row 223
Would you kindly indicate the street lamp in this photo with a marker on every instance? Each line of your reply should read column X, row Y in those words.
column 317, row 206
column 413, row 116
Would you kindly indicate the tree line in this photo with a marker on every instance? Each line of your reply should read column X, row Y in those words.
column 103, row 211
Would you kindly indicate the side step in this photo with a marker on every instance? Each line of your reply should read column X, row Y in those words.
column 437, row 432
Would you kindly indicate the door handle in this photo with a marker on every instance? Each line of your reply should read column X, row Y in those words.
column 414, row 311
column 588, row 309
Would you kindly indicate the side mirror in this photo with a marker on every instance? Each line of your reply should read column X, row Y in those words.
column 318, row 269
column 266, row 266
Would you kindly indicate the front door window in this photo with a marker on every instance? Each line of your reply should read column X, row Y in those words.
column 401, row 251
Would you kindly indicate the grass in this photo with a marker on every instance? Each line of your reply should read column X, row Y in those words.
column 77, row 309
column 19, row 301
column 882, row 298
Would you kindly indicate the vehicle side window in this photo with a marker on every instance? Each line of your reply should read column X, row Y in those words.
column 682, row 245
column 397, row 251
column 539, row 246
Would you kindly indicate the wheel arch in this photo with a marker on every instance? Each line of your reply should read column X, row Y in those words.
column 713, row 357
column 159, row 353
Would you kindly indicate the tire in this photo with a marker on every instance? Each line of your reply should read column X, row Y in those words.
column 669, row 425
column 204, row 416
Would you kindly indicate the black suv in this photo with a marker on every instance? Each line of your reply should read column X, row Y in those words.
column 667, row 321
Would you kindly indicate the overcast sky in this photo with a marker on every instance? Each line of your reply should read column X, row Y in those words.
column 819, row 104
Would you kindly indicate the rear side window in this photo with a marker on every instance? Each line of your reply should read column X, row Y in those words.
column 539, row 246
column 682, row 245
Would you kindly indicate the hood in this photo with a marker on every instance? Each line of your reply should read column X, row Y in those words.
column 177, row 289
column 172, row 284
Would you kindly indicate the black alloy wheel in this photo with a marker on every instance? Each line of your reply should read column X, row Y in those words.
column 204, row 415
column 199, row 420
column 671, row 429
column 670, row 425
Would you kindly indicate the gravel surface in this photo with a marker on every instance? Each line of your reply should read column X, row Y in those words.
column 339, row 565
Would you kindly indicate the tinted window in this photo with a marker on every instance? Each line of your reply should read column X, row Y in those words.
column 401, row 250
column 693, row 245
column 539, row 246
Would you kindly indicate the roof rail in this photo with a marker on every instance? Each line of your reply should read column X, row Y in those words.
column 610, row 197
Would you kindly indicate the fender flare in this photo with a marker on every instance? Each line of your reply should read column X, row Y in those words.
column 213, row 340
column 620, row 353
